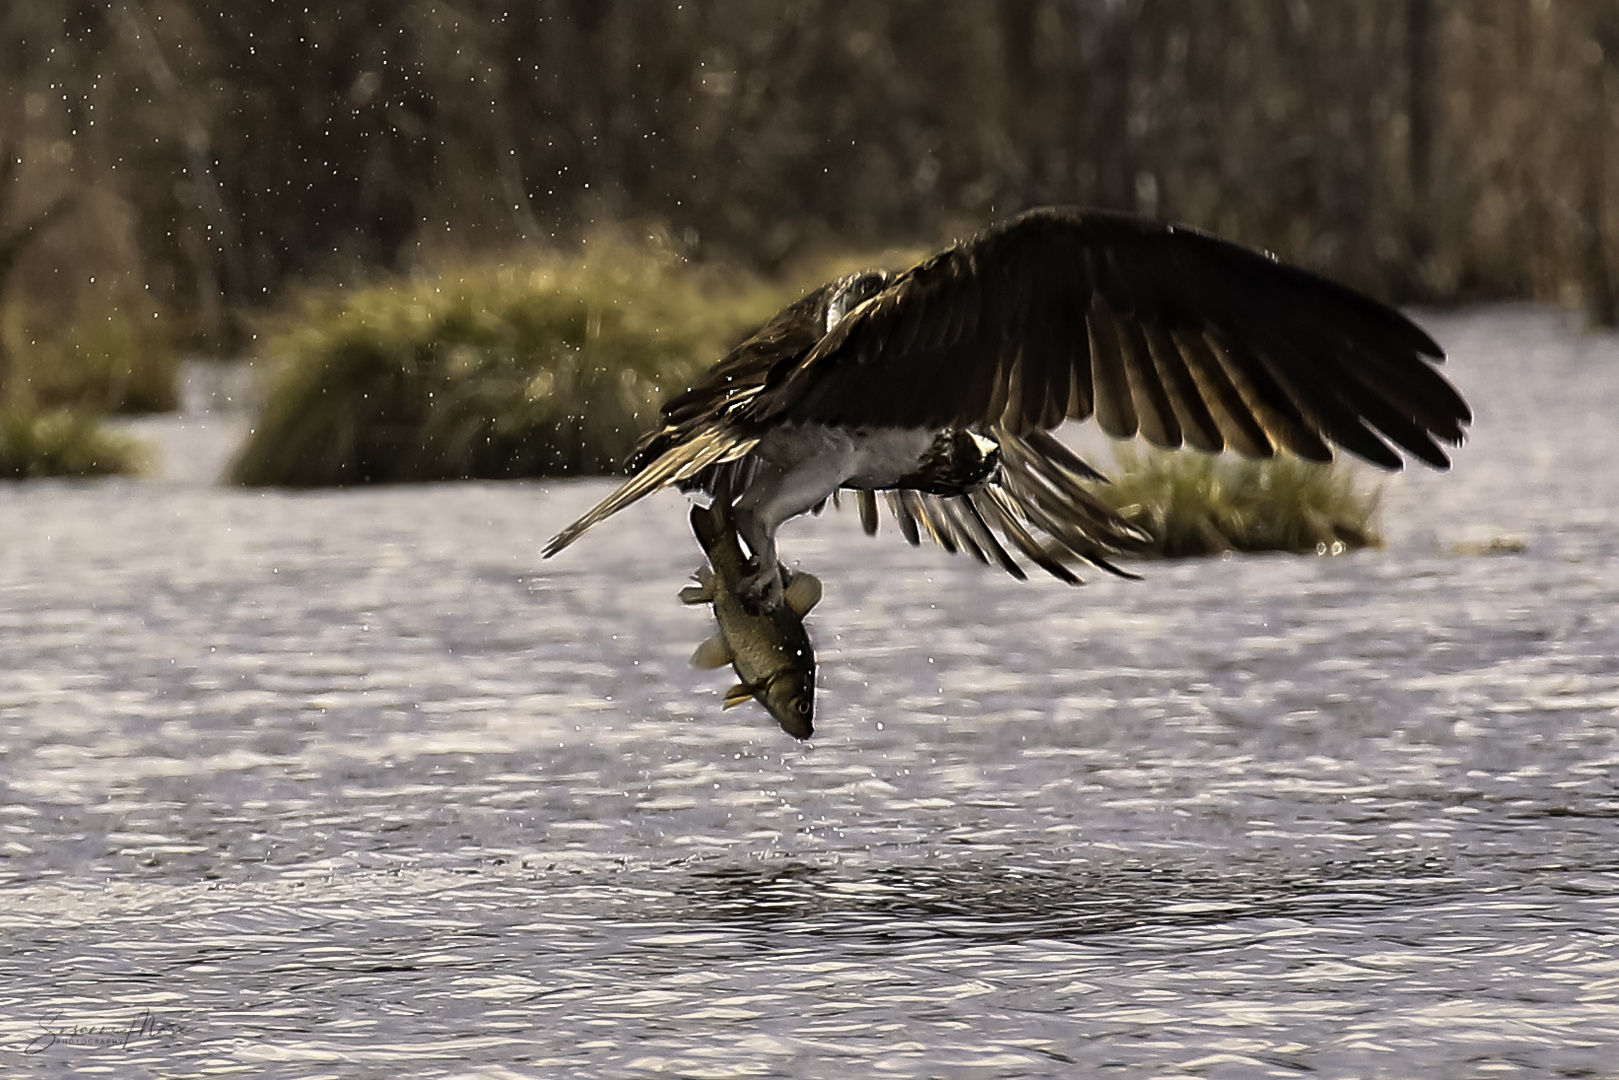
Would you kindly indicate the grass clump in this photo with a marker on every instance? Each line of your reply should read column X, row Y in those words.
column 550, row 367
column 61, row 442
column 1194, row 504
column 108, row 362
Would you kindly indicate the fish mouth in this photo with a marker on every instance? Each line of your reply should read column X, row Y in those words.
column 796, row 717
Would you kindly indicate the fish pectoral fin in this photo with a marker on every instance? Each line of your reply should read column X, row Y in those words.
column 703, row 591
column 740, row 694
column 712, row 653
column 802, row 593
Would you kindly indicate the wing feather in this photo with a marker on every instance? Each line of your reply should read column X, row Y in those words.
column 1115, row 411
column 1433, row 403
column 901, row 509
column 1191, row 412
column 938, row 530
column 993, row 503
column 683, row 462
column 969, row 522
column 943, row 510
column 1239, row 427
column 868, row 511
column 1325, row 412
column 1346, row 401
column 1020, row 388
column 966, row 311
column 1268, row 404
column 1153, row 410
column 1081, row 400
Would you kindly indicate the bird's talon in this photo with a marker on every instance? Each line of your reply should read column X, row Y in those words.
column 763, row 590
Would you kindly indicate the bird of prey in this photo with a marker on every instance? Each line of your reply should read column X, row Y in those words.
column 940, row 387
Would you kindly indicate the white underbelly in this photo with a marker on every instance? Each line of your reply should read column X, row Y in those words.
column 881, row 457
column 862, row 458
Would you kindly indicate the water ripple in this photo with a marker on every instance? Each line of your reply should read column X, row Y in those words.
column 354, row 784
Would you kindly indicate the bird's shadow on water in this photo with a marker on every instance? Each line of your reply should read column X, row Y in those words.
column 1006, row 902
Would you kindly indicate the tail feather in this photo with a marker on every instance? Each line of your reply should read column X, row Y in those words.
column 674, row 466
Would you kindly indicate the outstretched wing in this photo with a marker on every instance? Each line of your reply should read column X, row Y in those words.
column 696, row 433
column 1153, row 329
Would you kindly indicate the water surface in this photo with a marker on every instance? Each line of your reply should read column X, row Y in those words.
column 354, row 784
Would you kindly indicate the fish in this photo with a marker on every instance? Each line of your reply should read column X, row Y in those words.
column 769, row 650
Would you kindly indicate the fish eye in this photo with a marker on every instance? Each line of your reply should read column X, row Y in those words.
column 802, row 706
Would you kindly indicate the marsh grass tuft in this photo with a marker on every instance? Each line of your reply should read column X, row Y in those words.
column 1194, row 504
column 552, row 366
column 62, row 442
column 107, row 362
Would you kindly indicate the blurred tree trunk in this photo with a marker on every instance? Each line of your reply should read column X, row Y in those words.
column 15, row 239
column 218, row 250
column 1422, row 117
column 1016, row 20
column 1109, row 33
column 235, row 147
column 1600, row 60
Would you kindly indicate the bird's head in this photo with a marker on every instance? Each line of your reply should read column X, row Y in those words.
column 987, row 450
column 853, row 291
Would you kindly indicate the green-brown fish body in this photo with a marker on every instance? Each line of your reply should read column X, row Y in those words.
column 769, row 651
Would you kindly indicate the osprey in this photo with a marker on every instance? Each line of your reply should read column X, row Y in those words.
column 940, row 386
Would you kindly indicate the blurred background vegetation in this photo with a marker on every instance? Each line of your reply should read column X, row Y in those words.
column 184, row 176
column 1191, row 504
column 549, row 364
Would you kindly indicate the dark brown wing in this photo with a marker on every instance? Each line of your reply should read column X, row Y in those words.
column 738, row 375
column 1154, row 329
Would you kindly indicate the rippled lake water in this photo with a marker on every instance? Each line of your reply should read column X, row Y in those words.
column 354, row 784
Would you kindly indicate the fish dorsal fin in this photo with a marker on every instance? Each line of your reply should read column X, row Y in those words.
column 739, row 694
column 802, row 593
column 712, row 653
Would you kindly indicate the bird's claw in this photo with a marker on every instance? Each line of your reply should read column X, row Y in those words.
column 762, row 591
